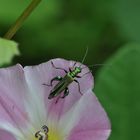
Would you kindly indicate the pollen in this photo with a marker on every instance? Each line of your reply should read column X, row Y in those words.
column 54, row 135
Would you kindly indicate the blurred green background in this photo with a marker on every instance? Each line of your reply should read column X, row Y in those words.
column 110, row 29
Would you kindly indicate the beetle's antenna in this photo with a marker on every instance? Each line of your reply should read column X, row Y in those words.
column 96, row 65
column 99, row 65
column 85, row 55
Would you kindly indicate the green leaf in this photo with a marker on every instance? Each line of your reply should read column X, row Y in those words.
column 118, row 88
column 126, row 16
column 8, row 49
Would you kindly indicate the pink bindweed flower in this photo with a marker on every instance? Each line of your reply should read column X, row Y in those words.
column 25, row 107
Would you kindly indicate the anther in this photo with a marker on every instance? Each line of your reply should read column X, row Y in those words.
column 43, row 133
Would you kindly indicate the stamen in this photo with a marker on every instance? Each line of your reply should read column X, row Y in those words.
column 43, row 133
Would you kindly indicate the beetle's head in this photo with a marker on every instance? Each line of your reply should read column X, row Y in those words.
column 78, row 69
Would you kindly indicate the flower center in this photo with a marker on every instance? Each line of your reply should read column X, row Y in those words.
column 48, row 134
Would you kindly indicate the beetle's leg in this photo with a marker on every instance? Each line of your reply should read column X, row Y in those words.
column 77, row 76
column 74, row 64
column 57, row 78
column 66, row 92
column 58, row 68
column 78, row 86
column 70, row 69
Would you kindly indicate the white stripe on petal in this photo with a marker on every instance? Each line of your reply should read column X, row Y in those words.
column 35, row 101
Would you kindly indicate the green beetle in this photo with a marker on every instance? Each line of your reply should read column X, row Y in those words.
column 64, row 82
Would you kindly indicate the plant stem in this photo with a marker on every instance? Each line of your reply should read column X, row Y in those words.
column 14, row 28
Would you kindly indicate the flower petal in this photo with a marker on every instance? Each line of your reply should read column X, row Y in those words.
column 12, row 90
column 37, row 76
column 88, row 120
column 4, row 135
column 89, row 135
column 9, row 128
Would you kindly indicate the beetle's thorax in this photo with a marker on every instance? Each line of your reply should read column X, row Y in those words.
column 75, row 72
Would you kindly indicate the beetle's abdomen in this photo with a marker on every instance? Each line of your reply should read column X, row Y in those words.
column 60, row 86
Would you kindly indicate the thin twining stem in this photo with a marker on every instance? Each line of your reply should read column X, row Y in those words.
column 14, row 28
